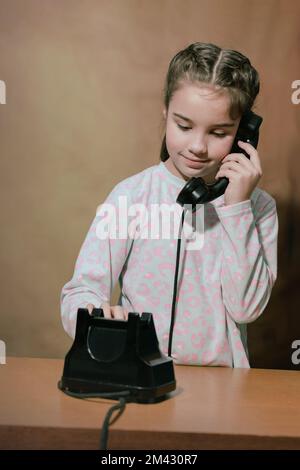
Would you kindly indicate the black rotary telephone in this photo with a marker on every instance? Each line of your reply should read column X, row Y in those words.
column 196, row 191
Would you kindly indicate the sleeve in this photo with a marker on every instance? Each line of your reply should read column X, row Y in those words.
column 249, row 263
column 100, row 261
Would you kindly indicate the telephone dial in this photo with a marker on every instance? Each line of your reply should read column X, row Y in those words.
column 196, row 191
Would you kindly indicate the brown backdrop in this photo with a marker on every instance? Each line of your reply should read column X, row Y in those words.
column 83, row 111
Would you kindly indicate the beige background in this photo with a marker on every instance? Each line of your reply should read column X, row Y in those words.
column 84, row 101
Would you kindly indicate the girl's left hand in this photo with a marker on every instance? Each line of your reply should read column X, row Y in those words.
column 243, row 174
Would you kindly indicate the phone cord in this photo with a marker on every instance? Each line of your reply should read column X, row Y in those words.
column 175, row 286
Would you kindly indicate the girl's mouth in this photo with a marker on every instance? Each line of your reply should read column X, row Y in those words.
column 194, row 163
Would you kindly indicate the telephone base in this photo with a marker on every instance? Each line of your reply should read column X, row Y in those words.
column 113, row 356
column 136, row 394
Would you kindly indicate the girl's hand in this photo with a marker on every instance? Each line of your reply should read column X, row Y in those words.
column 243, row 174
column 117, row 312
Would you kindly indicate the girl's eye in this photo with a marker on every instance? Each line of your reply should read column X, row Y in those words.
column 219, row 135
column 183, row 128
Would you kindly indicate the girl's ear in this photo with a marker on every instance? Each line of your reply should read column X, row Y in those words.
column 165, row 113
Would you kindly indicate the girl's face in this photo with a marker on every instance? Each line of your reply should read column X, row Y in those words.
column 199, row 131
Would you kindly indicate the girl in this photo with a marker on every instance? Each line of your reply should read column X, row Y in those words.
column 227, row 282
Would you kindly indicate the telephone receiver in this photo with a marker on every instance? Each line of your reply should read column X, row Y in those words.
column 196, row 191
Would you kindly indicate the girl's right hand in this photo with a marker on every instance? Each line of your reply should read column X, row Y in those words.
column 117, row 312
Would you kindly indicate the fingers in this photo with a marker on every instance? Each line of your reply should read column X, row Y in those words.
column 233, row 166
column 252, row 152
column 90, row 308
column 234, row 171
column 238, row 162
column 117, row 312
column 247, row 169
column 106, row 310
column 238, row 158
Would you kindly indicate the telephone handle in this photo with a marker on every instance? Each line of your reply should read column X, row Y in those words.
column 196, row 191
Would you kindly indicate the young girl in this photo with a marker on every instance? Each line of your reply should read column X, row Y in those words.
column 227, row 282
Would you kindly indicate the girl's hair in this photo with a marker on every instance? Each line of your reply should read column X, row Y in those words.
column 208, row 63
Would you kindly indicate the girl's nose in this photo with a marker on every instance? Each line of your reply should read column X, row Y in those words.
column 198, row 146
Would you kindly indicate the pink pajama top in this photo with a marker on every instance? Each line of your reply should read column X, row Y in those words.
column 224, row 282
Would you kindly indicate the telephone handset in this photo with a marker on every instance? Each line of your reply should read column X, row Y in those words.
column 196, row 191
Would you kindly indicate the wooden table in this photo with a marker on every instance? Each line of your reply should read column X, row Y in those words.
column 212, row 408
